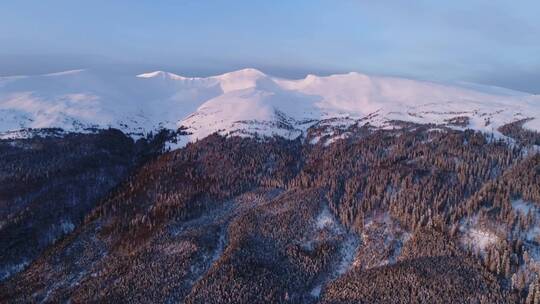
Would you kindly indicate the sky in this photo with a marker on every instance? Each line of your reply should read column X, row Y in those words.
column 490, row 42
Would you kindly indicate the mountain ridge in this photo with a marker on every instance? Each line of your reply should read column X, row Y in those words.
column 245, row 103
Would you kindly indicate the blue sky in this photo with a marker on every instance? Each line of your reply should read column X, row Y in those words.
column 493, row 42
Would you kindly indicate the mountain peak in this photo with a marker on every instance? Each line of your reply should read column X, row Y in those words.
column 243, row 73
column 161, row 74
column 241, row 79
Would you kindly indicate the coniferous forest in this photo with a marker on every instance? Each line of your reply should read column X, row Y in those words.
column 414, row 214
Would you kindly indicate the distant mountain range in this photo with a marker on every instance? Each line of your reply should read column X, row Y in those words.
column 249, row 102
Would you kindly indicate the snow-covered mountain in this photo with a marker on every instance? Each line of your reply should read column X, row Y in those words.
column 248, row 101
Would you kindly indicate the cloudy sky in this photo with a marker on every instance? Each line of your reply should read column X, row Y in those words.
column 491, row 42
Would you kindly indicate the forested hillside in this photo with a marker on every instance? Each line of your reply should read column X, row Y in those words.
column 49, row 184
column 419, row 213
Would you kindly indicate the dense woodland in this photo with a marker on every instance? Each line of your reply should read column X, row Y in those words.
column 48, row 185
column 418, row 214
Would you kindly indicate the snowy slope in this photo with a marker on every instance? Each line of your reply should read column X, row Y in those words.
column 246, row 102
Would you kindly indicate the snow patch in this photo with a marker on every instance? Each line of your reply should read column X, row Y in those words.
column 524, row 207
column 9, row 270
column 316, row 291
column 325, row 220
column 67, row 226
column 348, row 253
column 479, row 238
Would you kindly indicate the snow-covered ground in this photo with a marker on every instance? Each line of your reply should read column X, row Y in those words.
column 479, row 238
column 246, row 102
